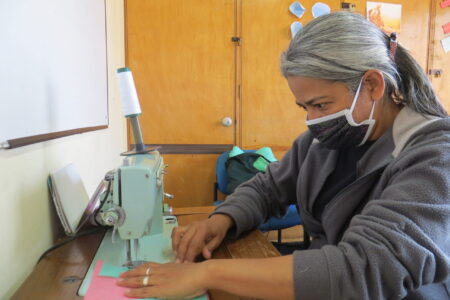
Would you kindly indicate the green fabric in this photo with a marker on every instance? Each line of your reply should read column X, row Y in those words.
column 260, row 164
column 267, row 153
column 235, row 151
column 240, row 169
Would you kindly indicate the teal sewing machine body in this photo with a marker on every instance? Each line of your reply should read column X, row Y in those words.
column 138, row 190
column 134, row 209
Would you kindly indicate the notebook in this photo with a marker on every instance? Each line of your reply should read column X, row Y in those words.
column 69, row 196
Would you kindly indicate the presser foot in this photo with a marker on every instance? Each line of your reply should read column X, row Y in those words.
column 133, row 264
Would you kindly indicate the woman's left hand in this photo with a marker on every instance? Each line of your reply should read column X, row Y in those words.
column 153, row 280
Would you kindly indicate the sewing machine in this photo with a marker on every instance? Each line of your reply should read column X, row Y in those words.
column 130, row 200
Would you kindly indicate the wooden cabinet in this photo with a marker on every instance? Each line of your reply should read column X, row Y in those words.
column 439, row 61
column 183, row 63
column 196, row 62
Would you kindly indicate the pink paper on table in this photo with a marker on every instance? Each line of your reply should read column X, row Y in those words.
column 104, row 288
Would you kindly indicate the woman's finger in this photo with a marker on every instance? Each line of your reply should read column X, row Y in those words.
column 195, row 247
column 177, row 234
column 145, row 292
column 136, row 282
column 211, row 246
column 184, row 244
column 143, row 270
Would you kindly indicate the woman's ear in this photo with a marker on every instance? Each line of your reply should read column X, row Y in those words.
column 374, row 84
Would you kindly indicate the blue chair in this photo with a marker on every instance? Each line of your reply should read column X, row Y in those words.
column 290, row 219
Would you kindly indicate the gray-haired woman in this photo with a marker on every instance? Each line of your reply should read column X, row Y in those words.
column 371, row 178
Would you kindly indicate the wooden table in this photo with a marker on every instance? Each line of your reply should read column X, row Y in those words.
column 59, row 275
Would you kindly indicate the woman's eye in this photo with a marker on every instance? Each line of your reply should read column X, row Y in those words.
column 321, row 106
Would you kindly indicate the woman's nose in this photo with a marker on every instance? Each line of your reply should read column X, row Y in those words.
column 311, row 116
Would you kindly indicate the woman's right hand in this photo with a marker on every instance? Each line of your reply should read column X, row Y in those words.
column 200, row 237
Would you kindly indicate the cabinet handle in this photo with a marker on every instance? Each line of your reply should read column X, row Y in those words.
column 227, row 121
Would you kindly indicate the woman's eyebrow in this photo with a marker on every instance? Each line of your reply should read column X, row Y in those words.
column 311, row 101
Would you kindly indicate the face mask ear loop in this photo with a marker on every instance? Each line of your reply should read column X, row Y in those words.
column 371, row 112
column 356, row 97
column 369, row 131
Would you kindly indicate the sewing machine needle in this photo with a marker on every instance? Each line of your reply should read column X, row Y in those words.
column 136, row 249
column 129, row 262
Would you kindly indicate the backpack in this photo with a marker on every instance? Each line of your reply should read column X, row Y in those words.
column 241, row 168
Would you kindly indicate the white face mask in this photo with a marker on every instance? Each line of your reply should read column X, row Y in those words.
column 339, row 130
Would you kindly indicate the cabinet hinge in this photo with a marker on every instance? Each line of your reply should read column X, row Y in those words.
column 236, row 39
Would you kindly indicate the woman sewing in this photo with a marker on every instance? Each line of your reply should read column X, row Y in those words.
column 371, row 177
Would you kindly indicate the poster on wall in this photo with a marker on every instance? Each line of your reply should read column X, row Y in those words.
column 386, row 16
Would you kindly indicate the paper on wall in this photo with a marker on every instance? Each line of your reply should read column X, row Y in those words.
column 320, row 9
column 295, row 28
column 445, row 3
column 446, row 28
column 297, row 9
column 446, row 44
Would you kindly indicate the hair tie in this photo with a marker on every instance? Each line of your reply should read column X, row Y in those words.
column 393, row 45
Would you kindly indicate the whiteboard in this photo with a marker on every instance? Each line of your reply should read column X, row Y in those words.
column 53, row 66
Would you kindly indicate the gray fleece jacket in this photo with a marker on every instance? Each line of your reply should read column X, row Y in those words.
column 385, row 236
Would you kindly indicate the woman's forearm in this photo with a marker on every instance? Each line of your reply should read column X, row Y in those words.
column 266, row 278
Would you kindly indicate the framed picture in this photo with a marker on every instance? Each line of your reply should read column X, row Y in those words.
column 386, row 16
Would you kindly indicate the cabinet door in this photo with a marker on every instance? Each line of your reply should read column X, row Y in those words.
column 439, row 60
column 183, row 63
column 269, row 115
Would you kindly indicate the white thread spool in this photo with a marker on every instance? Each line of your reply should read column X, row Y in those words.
column 130, row 100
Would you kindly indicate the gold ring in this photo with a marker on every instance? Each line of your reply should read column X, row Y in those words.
column 147, row 271
column 145, row 281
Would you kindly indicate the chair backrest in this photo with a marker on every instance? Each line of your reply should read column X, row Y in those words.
column 221, row 171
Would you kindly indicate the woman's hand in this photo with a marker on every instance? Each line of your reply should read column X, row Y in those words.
column 199, row 237
column 153, row 280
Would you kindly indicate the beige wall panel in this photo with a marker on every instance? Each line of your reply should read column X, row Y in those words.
column 440, row 59
column 183, row 62
column 190, row 179
column 270, row 116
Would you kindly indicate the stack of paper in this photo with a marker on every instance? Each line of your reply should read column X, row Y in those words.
column 69, row 196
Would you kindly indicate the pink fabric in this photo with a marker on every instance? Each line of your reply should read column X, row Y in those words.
column 104, row 288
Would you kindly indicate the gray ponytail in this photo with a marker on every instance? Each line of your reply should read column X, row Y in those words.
column 342, row 46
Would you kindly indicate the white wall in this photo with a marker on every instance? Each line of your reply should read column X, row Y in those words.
column 26, row 226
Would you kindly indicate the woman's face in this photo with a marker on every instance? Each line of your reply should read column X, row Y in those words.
column 321, row 97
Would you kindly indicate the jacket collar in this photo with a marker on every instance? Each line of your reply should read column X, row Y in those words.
column 405, row 125
column 323, row 161
column 393, row 141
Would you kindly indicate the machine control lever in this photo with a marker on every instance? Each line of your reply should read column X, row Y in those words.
column 169, row 196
